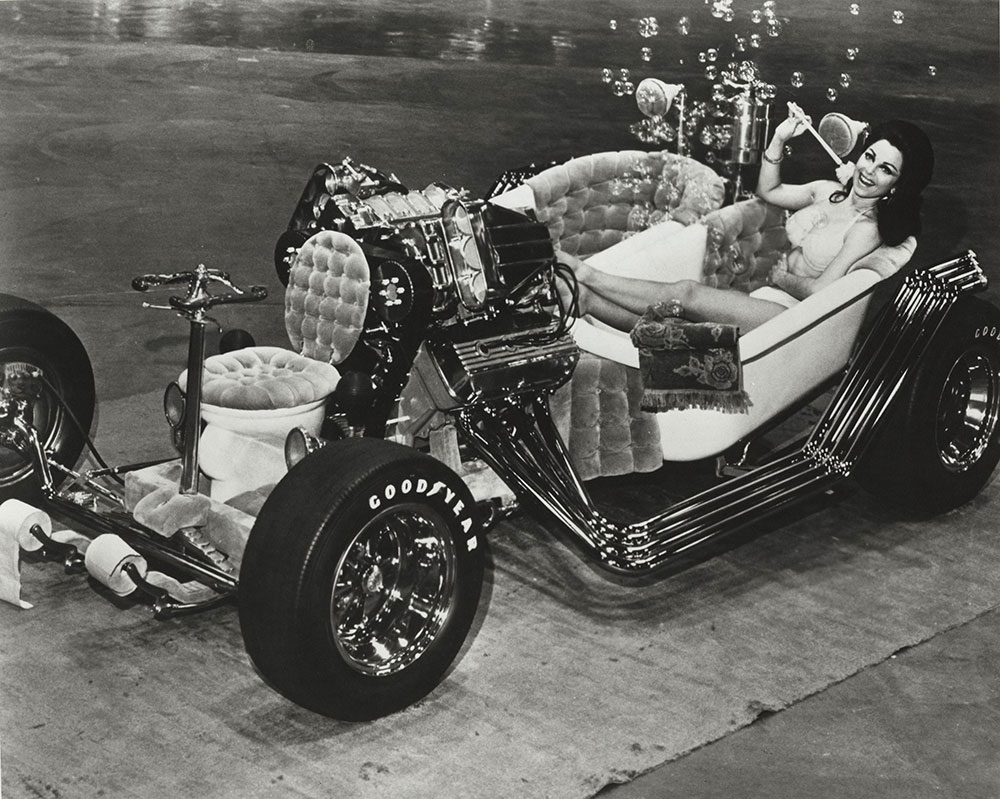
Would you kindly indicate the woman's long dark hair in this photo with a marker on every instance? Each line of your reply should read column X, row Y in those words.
column 899, row 212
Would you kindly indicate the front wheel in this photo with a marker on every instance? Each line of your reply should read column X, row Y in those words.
column 361, row 579
column 33, row 339
column 940, row 443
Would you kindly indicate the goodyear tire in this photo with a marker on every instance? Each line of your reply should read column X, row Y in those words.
column 361, row 579
column 941, row 441
column 32, row 336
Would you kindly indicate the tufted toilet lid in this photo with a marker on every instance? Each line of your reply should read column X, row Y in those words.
column 264, row 378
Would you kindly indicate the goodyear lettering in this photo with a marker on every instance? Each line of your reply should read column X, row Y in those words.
column 422, row 487
column 988, row 331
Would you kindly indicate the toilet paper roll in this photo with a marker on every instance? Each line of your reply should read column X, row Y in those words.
column 16, row 521
column 105, row 560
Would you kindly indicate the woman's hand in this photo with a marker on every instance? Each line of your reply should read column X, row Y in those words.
column 793, row 125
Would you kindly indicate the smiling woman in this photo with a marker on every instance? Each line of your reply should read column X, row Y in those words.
column 834, row 226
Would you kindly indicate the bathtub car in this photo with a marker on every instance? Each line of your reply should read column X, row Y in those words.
column 358, row 573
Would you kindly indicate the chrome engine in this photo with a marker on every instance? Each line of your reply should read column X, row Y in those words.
column 462, row 290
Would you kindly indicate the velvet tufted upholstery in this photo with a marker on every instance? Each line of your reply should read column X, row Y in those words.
column 593, row 202
column 743, row 241
column 589, row 204
column 598, row 417
column 327, row 296
column 264, row 378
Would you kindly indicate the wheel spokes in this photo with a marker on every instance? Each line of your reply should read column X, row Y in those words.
column 393, row 590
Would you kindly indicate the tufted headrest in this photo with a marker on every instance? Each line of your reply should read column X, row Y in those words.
column 593, row 202
column 327, row 296
column 264, row 378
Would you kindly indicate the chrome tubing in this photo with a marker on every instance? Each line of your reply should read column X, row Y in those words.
column 896, row 342
column 530, row 466
column 146, row 541
column 518, row 439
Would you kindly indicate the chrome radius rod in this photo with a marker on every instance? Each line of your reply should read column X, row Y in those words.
column 146, row 541
column 515, row 442
column 897, row 341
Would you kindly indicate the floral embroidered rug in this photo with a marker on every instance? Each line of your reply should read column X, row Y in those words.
column 688, row 364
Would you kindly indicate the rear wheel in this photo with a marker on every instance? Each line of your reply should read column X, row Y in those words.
column 361, row 578
column 941, row 441
column 31, row 338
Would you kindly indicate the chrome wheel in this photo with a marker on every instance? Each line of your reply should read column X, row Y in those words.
column 43, row 363
column 46, row 416
column 967, row 412
column 361, row 578
column 393, row 590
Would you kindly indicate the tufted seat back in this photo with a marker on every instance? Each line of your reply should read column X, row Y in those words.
column 742, row 242
column 593, row 202
column 327, row 296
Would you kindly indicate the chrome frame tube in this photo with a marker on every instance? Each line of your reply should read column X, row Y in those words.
column 192, row 411
column 146, row 541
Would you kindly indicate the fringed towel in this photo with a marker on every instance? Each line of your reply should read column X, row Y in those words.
column 688, row 364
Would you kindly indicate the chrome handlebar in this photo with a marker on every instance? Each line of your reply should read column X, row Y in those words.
column 198, row 299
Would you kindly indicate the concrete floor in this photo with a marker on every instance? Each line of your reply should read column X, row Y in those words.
column 140, row 137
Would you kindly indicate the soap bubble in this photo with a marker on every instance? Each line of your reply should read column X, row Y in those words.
column 648, row 26
column 684, row 26
column 797, row 80
column 620, row 88
column 646, row 53
column 625, row 74
column 755, row 40
column 712, row 53
column 852, row 53
column 711, row 72
column 831, row 95
column 897, row 17
column 613, row 24
column 756, row 17
column 932, row 70
column 607, row 75
column 767, row 91
column 855, row 9
column 729, row 16
column 720, row 8
column 740, row 43
column 773, row 28
column 845, row 79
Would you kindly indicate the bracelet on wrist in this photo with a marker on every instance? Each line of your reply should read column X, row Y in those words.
column 770, row 160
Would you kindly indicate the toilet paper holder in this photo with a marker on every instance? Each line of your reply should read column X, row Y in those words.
column 68, row 554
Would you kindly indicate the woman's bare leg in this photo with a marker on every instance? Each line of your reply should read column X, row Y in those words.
column 619, row 301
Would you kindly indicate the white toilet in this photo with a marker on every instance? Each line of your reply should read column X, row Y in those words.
column 251, row 399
